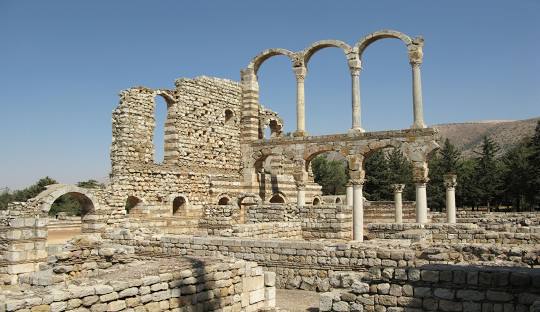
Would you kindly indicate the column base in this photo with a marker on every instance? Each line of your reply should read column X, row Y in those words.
column 419, row 126
column 300, row 133
column 356, row 130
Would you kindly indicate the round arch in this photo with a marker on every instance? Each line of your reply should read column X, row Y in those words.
column 363, row 43
column 86, row 198
column 319, row 45
column 317, row 201
column 278, row 198
column 311, row 153
column 257, row 61
column 224, row 199
column 178, row 203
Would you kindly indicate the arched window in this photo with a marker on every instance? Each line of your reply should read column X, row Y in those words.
column 277, row 199
column 316, row 201
column 229, row 116
column 160, row 117
column 132, row 203
column 338, row 200
column 224, row 200
column 179, row 205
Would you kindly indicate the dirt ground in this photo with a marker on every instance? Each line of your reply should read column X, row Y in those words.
column 60, row 236
column 294, row 300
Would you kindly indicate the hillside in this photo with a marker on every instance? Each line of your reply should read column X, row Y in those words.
column 468, row 136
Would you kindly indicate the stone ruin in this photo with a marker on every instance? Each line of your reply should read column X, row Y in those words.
column 231, row 215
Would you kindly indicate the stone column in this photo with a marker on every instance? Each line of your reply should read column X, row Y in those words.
column 450, row 182
column 358, row 210
column 415, row 59
column 300, row 194
column 349, row 194
column 421, row 202
column 354, row 67
column 420, row 178
column 398, row 190
column 300, row 73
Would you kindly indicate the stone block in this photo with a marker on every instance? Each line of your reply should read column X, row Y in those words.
column 498, row 296
column 269, row 278
column 470, row 295
column 58, row 306
column 256, row 296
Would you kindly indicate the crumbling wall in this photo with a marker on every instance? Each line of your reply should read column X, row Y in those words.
column 439, row 288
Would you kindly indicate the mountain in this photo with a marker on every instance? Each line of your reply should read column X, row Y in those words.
column 468, row 136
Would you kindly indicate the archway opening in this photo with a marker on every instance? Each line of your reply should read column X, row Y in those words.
column 160, row 118
column 223, row 201
column 338, row 200
column 385, row 85
column 179, row 205
column 328, row 93
column 329, row 170
column 316, row 201
column 229, row 116
column 66, row 216
column 133, row 205
column 383, row 168
column 277, row 89
column 277, row 199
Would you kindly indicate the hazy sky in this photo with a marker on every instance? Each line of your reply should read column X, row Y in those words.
column 63, row 63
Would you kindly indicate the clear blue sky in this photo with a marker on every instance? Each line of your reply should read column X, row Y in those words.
column 62, row 64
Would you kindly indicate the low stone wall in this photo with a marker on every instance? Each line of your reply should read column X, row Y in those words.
column 287, row 230
column 310, row 264
column 453, row 233
column 191, row 284
column 440, row 288
column 272, row 213
column 483, row 218
column 329, row 221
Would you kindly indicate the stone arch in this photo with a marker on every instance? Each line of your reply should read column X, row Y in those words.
column 313, row 151
column 134, row 205
column 317, row 201
column 363, row 43
column 179, row 204
column 86, row 198
column 224, row 199
column 278, row 198
column 257, row 61
column 338, row 200
column 228, row 116
column 319, row 45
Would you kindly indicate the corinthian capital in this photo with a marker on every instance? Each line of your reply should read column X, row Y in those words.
column 398, row 188
column 450, row 180
column 416, row 53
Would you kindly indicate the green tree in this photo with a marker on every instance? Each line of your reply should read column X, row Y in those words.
column 450, row 160
column 377, row 185
column 516, row 175
column 90, row 184
column 330, row 174
column 400, row 172
column 533, row 159
column 25, row 194
column 446, row 160
column 487, row 173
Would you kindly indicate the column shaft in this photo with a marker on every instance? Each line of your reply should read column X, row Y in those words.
column 301, row 197
column 399, row 207
column 421, row 203
column 300, row 73
column 356, row 108
column 418, row 106
column 349, row 195
column 358, row 213
column 451, row 204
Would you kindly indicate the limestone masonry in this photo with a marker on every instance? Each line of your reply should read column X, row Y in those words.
column 230, row 215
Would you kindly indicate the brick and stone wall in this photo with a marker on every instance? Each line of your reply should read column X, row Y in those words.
column 186, row 283
column 439, row 288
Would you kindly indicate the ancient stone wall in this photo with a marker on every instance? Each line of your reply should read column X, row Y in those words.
column 193, row 284
column 439, row 288
column 311, row 264
column 456, row 233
